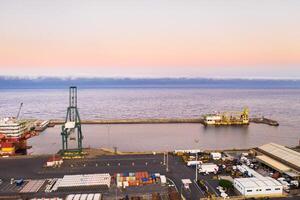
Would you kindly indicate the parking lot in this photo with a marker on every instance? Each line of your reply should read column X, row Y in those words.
column 6, row 187
column 105, row 164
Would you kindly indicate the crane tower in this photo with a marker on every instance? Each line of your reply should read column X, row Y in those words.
column 72, row 126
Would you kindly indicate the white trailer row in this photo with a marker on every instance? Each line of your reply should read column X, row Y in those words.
column 192, row 151
column 95, row 196
column 53, row 198
column 85, row 180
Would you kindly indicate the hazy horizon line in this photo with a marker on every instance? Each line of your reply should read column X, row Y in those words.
column 41, row 77
column 56, row 82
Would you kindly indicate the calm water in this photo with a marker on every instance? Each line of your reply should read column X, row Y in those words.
column 282, row 105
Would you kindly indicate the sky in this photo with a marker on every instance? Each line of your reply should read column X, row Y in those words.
column 127, row 38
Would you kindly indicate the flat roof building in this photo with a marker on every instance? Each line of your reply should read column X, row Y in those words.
column 258, row 187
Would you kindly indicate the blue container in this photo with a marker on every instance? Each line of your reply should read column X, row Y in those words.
column 145, row 179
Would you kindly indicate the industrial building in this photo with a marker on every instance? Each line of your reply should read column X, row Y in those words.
column 258, row 186
column 281, row 159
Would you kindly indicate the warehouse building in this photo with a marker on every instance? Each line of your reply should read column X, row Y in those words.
column 258, row 187
column 281, row 159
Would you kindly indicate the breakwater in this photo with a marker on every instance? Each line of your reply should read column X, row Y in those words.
column 54, row 122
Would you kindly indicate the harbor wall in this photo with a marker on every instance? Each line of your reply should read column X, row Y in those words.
column 54, row 122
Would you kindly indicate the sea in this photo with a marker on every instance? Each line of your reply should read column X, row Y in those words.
column 281, row 104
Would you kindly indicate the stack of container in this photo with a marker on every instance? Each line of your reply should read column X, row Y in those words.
column 136, row 179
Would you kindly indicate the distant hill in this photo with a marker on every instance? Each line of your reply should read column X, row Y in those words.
column 49, row 83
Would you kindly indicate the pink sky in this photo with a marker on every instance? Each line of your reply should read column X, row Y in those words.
column 142, row 38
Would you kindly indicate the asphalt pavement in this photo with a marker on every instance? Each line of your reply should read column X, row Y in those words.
column 32, row 168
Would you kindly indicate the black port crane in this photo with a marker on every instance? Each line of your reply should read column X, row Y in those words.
column 19, row 111
column 72, row 125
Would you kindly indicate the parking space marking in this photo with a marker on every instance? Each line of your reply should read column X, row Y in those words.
column 198, row 188
column 211, row 188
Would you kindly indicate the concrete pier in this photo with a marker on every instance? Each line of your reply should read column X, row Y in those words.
column 263, row 120
column 133, row 121
column 54, row 122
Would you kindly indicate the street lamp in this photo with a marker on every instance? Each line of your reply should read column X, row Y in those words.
column 196, row 177
column 166, row 158
column 167, row 167
column 196, row 174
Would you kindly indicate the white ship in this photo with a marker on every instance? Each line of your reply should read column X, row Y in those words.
column 12, row 128
column 13, row 135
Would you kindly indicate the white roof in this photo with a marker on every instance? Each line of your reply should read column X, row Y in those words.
column 244, row 168
column 85, row 180
column 282, row 152
column 186, row 181
column 258, row 182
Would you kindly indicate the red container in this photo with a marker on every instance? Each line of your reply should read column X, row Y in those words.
column 7, row 145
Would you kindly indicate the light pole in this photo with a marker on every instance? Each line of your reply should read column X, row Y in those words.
column 167, row 167
column 196, row 177
column 196, row 174
column 166, row 158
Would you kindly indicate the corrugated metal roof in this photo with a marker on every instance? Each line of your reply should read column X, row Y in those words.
column 273, row 163
column 257, row 182
column 283, row 153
